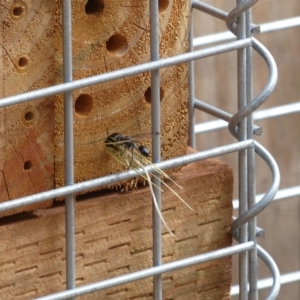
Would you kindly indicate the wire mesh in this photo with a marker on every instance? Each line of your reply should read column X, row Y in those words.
column 240, row 125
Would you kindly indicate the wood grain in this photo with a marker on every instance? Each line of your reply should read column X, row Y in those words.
column 114, row 237
column 26, row 130
column 106, row 36
column 113, row 36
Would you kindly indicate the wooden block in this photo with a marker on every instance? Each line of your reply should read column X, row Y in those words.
column 108, row 36
column 114, row 237
column 26, row 130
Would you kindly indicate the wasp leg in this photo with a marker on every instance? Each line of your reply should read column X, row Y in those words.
column 131, row 158
column 129, row 165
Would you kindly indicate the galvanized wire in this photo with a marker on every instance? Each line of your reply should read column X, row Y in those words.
column 168, row 267
column 268, row 282
column 191, row 103
column 237, row 124
column 273, row 112
column 156, row 145
column 108, row 180
column 126, row 72
column 241, row 125
column 68, row 145
column 264, row 28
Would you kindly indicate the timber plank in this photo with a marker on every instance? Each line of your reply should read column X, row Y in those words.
column 114, row 237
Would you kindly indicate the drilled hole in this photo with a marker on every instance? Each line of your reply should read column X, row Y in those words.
column 23, row 62
column 162, row 5
column 94, row 7
column 83, row 105
column 19, row 9
column 29, row 116
column 148, row 94
column 117, row 44
column 27, row 165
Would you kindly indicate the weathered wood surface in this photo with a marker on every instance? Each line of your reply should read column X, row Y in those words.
column 114, row 237
column 216, row 84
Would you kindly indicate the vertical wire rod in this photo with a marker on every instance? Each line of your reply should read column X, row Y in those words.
column 243, row 113
column 242, row 156
column 155, row 124
column 248, row 109
column 191, row 104
column 68, row 145
column 253, row 276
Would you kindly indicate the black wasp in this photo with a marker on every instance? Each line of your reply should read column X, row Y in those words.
column 128, row 142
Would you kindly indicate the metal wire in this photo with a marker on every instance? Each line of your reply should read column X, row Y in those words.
column 273, row 112
column 68, row 145
column 264, row 28
column 276, row 279
column 239, row 22
column 268, row 282
column 130, row 71
column 183, row 263
column 191, row 103
column 242, row 135
column 251, row 164
column 239, row 125
column 155, row 119
column 108, row 180
column 281, row 195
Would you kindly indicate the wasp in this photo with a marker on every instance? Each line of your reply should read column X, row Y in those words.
column 115, row 140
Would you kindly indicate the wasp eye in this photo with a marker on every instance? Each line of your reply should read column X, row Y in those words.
column 144, row 151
